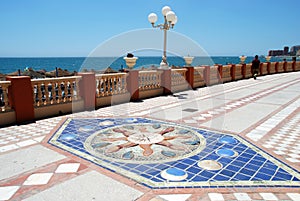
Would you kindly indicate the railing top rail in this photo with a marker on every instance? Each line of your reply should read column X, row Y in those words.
column 5, row 82
column 179, row 69
column 150, row 71
column 109, row 74
column 56, row 79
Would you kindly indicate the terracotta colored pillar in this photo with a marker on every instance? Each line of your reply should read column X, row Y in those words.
column 87, row 90
column 285, row 66
column 294, row 65
column 244, row 70
column 190, row 76
column 276, row 67
column 166, row 81
column 207, row 75
column 269, row 67
column 21, row 98
column 232, row 72
column 220, row 69
column 261, row 68
column 133, row 84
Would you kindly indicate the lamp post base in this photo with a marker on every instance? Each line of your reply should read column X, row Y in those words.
column 164, row 65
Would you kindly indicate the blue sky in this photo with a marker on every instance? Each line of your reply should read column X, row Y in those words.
column 38, row 28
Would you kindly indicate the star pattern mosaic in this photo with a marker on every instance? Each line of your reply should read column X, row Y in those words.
column 161, row 154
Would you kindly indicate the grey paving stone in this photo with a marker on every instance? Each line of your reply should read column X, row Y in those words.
column 23, row 160
column 90, row 186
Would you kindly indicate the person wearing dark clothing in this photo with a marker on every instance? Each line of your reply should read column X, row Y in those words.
column 255, row 66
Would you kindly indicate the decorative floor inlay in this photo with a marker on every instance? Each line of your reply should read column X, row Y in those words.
column 167, row 155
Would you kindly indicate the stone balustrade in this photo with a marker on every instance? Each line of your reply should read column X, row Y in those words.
column 272, row 67
column 4, row 102
column 178, row 80
column 51, row 91
column 178, row 76
column 23, row 99
column 237, row 72
column 149, row 80
column 247, row 70
column 199, row 76
column 226, row 73
column 264, row 68
column 289, row 66
column 111, row 84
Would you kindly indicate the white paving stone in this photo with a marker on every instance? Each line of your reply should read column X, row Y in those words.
column 268, row 196
column 38, row 179
column 67, row 168
column 26, row 159
column 8, row 148
column 294, row 196
column 6, row 192
column 215, row 196
column 89, row 186
column 26, row 143
column 242, row 196
column 175, row 197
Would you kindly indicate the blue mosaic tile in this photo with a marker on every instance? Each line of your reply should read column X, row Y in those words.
column 144, row 149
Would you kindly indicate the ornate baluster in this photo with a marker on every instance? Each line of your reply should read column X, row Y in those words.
column 65, row 84
column 47, row 98
column 77, row 96
column 40, row 95
column 5, row 98
column 34, row 88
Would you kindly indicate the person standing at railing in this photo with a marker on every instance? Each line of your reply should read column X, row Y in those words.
column 255, row 66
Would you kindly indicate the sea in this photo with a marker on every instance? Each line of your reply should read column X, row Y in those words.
column 78, row 64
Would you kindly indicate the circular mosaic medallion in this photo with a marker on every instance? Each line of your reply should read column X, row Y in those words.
column 145, row 142
column 174, row 174
column 210, row 165
column 226, row 153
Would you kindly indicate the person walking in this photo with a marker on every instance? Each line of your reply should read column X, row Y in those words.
column 255, row 66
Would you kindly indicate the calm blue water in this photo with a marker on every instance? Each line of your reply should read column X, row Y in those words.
column 9, row 65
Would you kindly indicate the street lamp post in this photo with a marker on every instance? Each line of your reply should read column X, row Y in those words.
column 170, row 21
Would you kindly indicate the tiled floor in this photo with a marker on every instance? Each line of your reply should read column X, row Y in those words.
column 187, row 158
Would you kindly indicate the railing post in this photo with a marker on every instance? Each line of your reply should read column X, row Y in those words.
column 269, row 67
column 87, row 90
column 232, row 72
column 285, row 66
column 20, row 94
column 294, row 65
column 261, row 68
column 207, row 75
column 133, row 84
column 190, row 76
column 166, row 81
column 220, row 76
column 244, row 70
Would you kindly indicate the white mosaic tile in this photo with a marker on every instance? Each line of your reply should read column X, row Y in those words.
column 67, row 168
column 38, row 179
column 6, row 192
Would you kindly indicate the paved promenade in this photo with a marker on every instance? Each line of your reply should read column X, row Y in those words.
column 233, row 141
